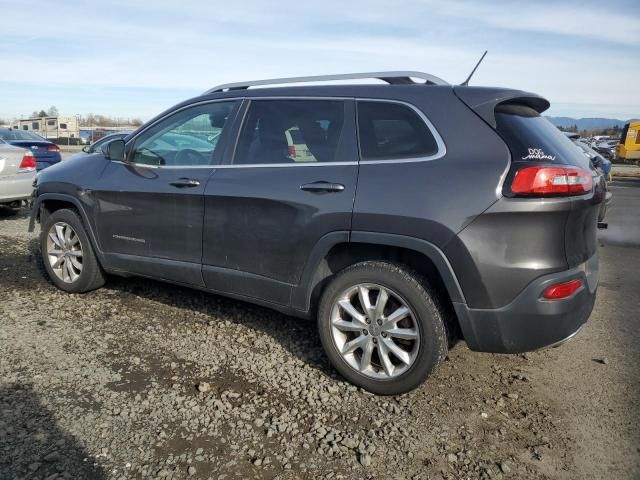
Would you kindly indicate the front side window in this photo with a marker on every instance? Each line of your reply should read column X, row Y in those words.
column 187, row 138
column 393, row 131
column 290, row 131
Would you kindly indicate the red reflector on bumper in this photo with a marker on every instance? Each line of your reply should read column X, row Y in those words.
column 562, row 290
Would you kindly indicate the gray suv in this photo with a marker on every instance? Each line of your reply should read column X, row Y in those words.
column 423, row 213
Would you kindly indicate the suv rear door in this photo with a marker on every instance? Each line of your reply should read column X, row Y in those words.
column 267, row 209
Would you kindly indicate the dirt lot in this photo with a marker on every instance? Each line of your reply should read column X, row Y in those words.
column 142, row 379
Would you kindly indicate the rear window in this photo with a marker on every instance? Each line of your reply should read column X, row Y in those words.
column 393, row 131
column 533, row 139
column 19, row 135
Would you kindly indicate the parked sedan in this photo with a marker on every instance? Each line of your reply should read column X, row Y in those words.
column 45, row 152
column 17, row 173
column 96, row 146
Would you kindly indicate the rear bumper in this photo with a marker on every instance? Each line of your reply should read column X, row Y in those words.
column 16, row 187
column 45, row 161
column 530, row 322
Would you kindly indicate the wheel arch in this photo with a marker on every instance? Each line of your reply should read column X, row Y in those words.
column 334, row 256
column 47, row 203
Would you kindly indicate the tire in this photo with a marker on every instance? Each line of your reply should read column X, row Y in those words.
column 424, row 338
column 76, row 251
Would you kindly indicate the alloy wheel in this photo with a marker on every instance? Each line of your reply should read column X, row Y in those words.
column 64, row 252
column 375, row 331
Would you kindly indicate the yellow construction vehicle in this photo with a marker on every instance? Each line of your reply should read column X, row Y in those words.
column 629, row 147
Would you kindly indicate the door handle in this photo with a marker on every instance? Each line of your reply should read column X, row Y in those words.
column 185, row 183
column 322, row 187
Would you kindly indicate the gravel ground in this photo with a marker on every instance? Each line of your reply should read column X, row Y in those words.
column 146, row 380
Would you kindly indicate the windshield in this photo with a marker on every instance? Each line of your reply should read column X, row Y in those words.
column 20, row 135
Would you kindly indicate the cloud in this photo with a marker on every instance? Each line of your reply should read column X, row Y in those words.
column 569, row 53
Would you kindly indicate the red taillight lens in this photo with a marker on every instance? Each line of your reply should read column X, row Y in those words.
column 562, row 290
column 53, row 148
column 542, row 181
column 28, row 162
column 292, row 151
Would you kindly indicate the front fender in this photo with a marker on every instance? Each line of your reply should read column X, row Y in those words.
column 62, row 197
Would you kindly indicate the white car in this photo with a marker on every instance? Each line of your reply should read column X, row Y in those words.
column 17, row 173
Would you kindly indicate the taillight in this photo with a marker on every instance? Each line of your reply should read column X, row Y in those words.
column 562, row 290
column 551, row 181
column 53, row 148
column 292, row 151
column 28, row 162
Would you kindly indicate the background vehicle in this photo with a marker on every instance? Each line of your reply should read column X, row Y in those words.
column 389, row 274
column 46, row 153
column 597, row 160
column 606, row 148
column 96, row 146
column 628, row 147
column 17, row 172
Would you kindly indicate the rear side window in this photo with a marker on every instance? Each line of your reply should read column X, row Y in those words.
column 533, row 139
column 390, row 131
column 290, row 131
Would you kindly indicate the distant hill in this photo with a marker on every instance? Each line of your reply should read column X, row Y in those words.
column 588, row 123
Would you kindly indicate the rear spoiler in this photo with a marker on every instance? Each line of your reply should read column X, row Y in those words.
column 483, row 100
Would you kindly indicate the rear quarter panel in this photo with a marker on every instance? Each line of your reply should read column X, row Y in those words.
column 435, row 199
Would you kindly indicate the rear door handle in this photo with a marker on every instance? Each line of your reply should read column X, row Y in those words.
column 185, row 183
column 322, row 187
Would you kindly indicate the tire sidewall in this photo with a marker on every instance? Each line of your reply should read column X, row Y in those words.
column 89, row 263
column 433, row 339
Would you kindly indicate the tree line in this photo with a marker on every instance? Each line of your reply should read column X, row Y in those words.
column 90, row 119
column 614, row 131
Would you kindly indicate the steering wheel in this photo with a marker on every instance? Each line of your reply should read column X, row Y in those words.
column 189, row 156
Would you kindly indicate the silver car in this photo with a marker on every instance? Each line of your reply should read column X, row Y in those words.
column 17, row 173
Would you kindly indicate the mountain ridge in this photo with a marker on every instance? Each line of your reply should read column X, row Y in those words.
column 588, row 123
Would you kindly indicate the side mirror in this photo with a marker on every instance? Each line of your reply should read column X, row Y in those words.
column 86, row 149
column 114, row 150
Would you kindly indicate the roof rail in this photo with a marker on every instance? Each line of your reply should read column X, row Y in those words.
column 393, row 77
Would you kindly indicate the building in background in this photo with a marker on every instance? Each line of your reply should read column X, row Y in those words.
column 50, row 127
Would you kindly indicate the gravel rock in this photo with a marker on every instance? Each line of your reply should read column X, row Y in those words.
column 101, row 385
column 204, row 387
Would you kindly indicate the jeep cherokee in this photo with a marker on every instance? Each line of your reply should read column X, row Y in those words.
column 423, row 212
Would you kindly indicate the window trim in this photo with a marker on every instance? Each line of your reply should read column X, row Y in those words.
column 440, row 152
column 243, row 109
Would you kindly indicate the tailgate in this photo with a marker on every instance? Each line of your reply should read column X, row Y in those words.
column 582, row 225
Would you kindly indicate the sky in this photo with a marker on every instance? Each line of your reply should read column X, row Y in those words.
column 135, row 59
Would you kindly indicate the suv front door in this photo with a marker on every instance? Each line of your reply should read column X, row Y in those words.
column 150, row 208
column 268, row 207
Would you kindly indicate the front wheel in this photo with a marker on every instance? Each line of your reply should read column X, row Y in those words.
column 381, row 327
column 67, row 253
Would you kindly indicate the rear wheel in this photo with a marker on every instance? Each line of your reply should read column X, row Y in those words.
column 67, row 253
column 381, row 328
